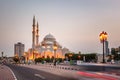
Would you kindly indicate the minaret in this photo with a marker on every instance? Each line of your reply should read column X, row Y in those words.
column 33, row 34
column 37, row 34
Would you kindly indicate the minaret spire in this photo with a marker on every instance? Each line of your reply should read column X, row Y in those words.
column 34, row 20
column 37, row 34
column 33, row 34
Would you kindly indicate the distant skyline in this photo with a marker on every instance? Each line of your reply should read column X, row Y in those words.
column 76, row 24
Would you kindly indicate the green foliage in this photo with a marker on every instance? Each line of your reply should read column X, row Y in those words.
column 114, row 52
column 88, row 57
column 48, row 59
column 69, row 56
column 59, row 59
column 92, row 57
column 39, row 59
column 16, row 59
column 109, row 58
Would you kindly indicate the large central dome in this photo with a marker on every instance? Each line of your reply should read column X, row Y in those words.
column 49, row 37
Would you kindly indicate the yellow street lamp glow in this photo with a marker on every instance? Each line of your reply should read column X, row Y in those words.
column 70, row 55
column 103, row 37
column 55, row 46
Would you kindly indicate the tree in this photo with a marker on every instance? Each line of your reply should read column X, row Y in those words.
column 69, row 56
column 114, row 52
column 109, row 58
column 48, row 59
column 37, row 60
column 91, row 57
column 59, row 59
column 16, row 59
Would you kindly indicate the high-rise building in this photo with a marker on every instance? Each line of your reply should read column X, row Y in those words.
column 106, row 48
column 19, row 49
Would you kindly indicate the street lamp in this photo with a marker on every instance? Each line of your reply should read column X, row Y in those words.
column 26, row 56
column 55, row 47
column 33, row 55
column 70, row 55
column 43, row 46
column 79, row 57
column 103, row 38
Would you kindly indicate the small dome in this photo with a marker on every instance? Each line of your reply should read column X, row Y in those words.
column 49, row 37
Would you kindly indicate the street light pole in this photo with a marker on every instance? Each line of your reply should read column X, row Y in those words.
column 55, row 58
column 26, row 57
column 103, row 53
column 34, row 52
column 103, row 38
column 70, row 55
column 43, row 46
column 55, row 49
column 33, row 55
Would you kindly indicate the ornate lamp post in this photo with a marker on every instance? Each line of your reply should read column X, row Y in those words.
column 55, row 47
column 26, row 57
column 70, row 55
column 43, row 46
column 103, row 38
column 79, row 57
column 33, row 55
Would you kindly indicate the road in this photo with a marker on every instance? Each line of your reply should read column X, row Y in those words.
column 24, row 73
column 39, row 72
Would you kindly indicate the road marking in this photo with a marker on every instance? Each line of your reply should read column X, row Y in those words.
column 38, row 75
column 12, row 73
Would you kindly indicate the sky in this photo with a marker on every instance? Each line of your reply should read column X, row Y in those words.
column 76, row 24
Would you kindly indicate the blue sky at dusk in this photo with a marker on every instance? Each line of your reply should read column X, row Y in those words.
column 76, row 24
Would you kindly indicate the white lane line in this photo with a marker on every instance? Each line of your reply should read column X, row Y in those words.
column 38, row 75
column 12, row 73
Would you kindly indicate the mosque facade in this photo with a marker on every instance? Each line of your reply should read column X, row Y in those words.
column 45, row 47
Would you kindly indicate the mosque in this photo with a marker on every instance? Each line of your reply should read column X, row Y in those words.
column 45, row 47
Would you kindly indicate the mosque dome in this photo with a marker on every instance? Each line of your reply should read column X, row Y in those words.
column 49, row 37
column 49, row 41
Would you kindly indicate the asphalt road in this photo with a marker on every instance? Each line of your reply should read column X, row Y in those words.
column 24, row 73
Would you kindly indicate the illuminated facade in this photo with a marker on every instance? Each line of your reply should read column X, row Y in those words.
column 44, row 48
column 47, row 50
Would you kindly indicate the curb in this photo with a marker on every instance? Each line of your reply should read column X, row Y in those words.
column 12, row 73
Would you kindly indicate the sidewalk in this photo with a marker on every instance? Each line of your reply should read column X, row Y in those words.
column 5, row 73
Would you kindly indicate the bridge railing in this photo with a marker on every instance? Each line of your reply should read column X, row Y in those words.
column 82, row 67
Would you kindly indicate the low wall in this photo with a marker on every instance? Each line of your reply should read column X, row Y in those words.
column 83, row 67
